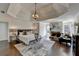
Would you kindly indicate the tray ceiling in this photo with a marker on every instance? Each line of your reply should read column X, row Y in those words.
column 45, row 10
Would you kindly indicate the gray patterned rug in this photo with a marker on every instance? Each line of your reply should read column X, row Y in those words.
column 38, row 49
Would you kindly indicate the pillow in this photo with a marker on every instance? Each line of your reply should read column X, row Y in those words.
column 31, row 37
column 29, row 32
column 21, row 33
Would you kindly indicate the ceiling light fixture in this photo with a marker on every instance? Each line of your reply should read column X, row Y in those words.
column 35, row 15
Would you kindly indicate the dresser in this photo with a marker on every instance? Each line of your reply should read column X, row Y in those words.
column 76, row 45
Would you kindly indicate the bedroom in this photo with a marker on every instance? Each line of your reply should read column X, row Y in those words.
column 21, row 26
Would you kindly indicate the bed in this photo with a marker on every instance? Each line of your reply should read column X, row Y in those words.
column 25, row 36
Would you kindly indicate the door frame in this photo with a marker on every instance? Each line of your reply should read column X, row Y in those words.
column 7, row 30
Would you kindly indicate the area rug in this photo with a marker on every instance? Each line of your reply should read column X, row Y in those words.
column 27, row 51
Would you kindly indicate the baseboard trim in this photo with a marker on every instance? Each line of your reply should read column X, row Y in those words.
column 4, row 40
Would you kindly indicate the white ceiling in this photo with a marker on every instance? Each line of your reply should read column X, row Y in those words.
column 45, row 10
column 4, row 7
column 71, row 15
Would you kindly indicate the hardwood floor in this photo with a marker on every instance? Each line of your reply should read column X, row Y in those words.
column 57, row 49
column 60, row 50
column 8, row 49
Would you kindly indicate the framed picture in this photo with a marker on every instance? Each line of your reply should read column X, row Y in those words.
column 56, row 26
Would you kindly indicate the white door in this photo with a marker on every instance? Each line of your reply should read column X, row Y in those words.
column 43, row 30
column 3, row 31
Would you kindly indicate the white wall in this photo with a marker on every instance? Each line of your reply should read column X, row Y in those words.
column 18, row 23
column 3, row 31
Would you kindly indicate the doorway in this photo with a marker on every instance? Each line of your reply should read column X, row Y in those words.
column 44, row 30
column 4, row 31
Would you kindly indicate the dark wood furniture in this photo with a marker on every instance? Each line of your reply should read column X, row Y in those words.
column 76, row 45
column 54, row 36
column 24, row 31
column 66, row 38
column 61, row 39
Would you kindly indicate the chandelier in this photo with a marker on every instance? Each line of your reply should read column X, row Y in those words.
column 35, row 15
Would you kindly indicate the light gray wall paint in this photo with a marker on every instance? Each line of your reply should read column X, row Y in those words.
column 19, row 23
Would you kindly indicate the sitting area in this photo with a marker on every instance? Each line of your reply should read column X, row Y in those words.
column 61, row 38
column 54, row 36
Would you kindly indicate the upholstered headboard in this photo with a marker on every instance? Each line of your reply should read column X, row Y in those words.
column 23, row 31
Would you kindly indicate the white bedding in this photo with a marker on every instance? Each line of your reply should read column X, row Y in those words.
column 27, row 38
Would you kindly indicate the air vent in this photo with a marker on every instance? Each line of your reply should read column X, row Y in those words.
column 2, row 11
